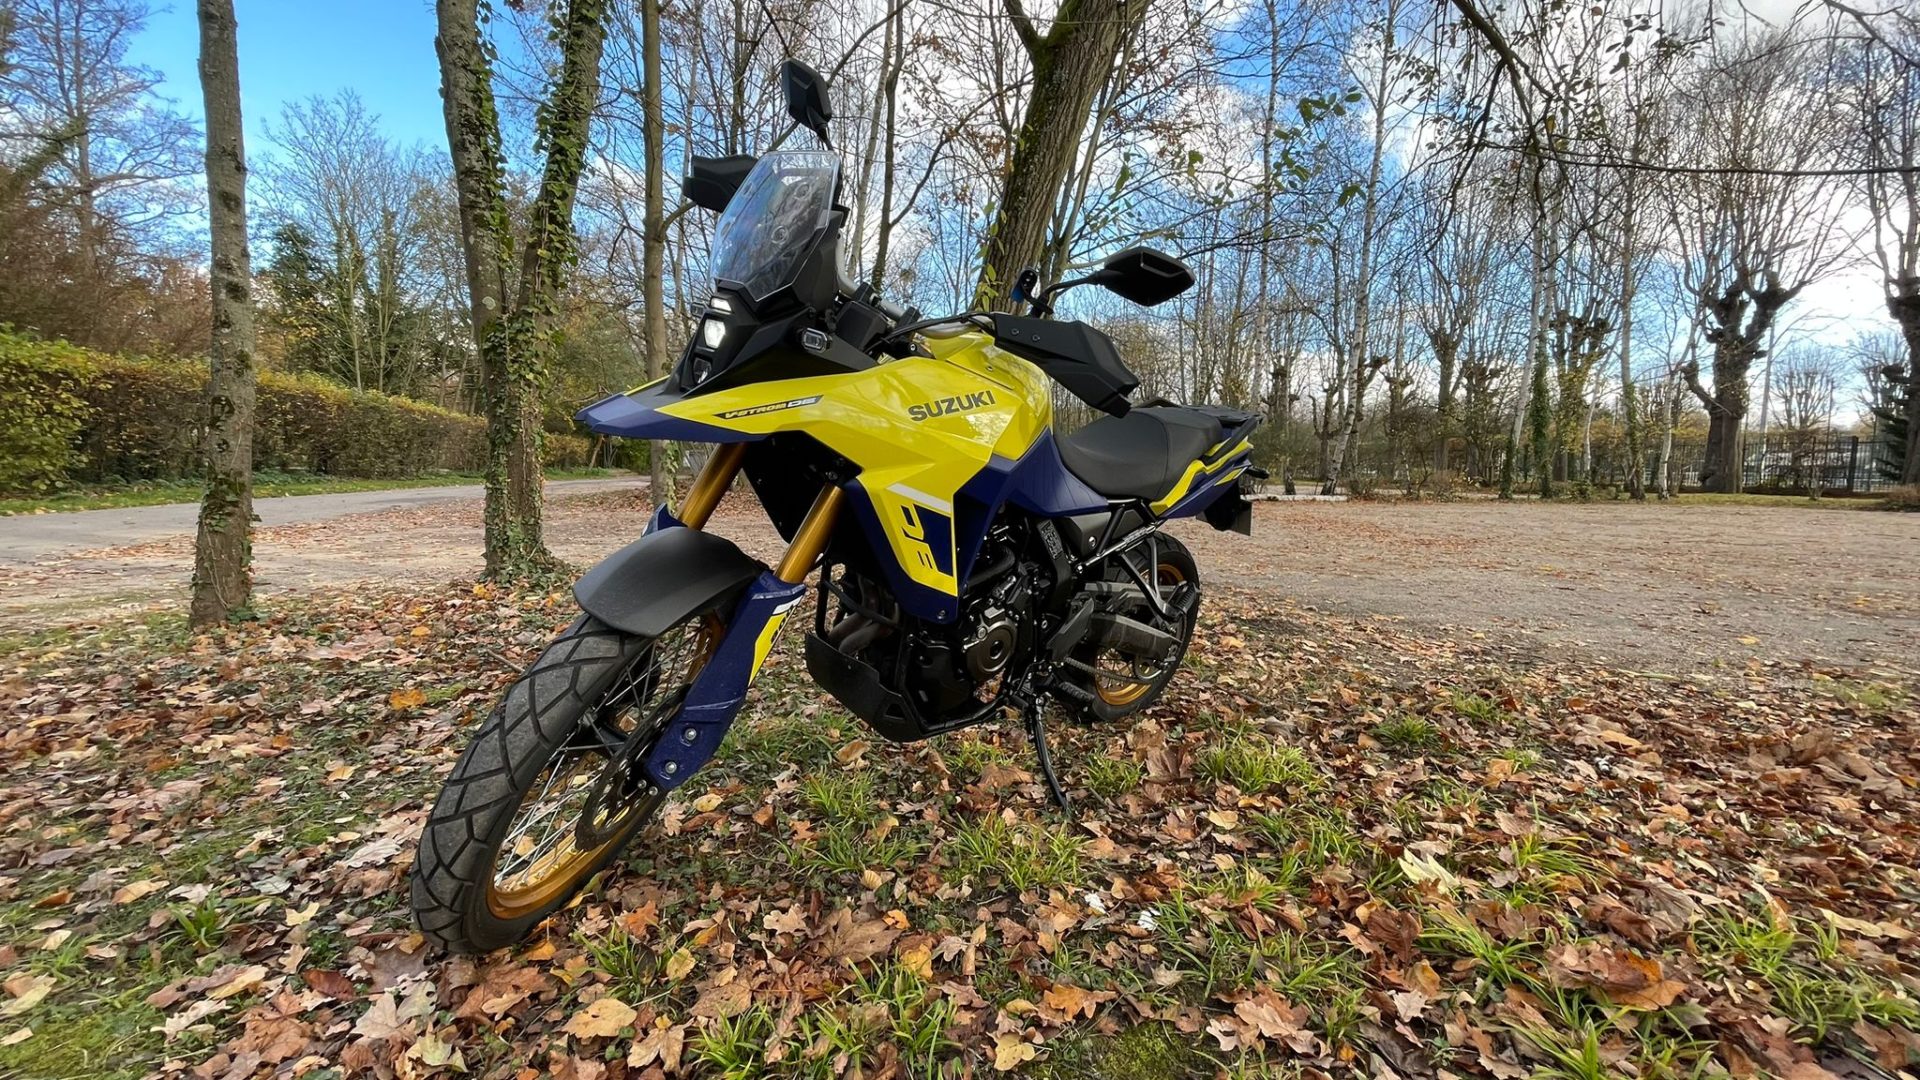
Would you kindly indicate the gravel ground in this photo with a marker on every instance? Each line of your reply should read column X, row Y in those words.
column 1654, row 588
column 1658, row 588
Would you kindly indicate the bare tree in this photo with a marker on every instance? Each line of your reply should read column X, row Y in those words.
column 223, row 551
column 654, row 238
column 1751, row 238
column 1884, row 106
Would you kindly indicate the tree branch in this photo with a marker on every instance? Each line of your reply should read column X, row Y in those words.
column 1023, row 26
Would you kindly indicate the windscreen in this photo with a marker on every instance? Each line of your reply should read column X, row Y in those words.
column 773, row 222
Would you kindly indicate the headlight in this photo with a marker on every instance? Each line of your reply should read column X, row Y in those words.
column 712, row 332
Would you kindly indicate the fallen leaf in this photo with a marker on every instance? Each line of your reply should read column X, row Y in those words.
column 919, row 960
column 135, row 890
column 1009, row 1050
column 244, row 980
column 791, row 921
column 603, row 1019
column 724, row 1002
column 679, row 964
column 639, row 922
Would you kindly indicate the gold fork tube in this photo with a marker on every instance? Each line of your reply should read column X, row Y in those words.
column 712, row 484
column 812, row 535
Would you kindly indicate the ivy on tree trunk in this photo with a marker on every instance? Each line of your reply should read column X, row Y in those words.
column 223, row 547
column 513, row 335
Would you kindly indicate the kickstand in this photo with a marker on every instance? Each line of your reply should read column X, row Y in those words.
column 1037, row 730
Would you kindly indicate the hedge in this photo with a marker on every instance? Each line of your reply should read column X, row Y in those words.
column 72, row 415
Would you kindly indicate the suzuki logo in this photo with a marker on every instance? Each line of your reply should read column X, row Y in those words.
column 947, row 406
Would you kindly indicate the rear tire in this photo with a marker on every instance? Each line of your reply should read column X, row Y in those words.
column 539, row 728
column 1116, row 700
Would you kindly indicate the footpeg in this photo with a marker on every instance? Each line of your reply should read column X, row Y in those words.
column 1066, row 691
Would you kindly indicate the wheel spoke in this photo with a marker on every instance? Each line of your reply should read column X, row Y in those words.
column 542, row 843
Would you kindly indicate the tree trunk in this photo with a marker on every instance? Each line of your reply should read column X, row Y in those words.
column 660, row 456
column 1904, row 306
column 1446, row 351
column 513, row 341
column 1070, row 64
column 223, row 548
column 897, row 33
column 1629, row 405
column 1724, row 468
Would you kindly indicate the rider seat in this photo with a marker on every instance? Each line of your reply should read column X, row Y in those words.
column 1140, row 455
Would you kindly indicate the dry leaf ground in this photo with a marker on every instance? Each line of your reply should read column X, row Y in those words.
column 1343, row 846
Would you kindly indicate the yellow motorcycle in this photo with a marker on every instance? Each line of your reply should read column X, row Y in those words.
column 969, row 561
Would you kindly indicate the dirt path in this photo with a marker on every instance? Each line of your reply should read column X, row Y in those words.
column 26, row 538
column 1647, row 588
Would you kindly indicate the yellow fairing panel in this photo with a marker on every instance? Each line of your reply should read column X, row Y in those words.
column 918, row 428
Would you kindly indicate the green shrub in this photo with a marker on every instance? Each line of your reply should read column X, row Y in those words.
column 71, row 415
column 1904, row 498
column 41, row 411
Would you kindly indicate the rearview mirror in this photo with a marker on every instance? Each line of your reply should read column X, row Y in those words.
column 711, row 181
column 806, row 97
column 1144, row 276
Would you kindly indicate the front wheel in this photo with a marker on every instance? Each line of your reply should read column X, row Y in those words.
column 1126, row 684
column 544, row 798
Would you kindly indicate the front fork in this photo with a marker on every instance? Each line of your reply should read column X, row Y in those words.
column 720, row 688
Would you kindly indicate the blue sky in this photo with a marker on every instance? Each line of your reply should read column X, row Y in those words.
column 294, row 49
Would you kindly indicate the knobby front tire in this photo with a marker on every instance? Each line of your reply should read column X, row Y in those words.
column 538, row 742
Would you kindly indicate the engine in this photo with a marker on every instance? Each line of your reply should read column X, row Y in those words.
column 936, row 676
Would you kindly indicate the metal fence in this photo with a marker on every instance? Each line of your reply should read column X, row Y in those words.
column 1791, row 463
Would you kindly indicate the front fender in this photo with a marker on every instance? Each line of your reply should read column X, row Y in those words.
column 663, row 577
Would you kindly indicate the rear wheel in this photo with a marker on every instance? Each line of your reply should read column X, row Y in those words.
column 543, row 798
column 1126, row 684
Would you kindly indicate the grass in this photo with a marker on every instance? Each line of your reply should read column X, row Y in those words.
column 1316, row 838
column 1111, row 777
column 844, row 1034
column 265, row 486
column 1258, row 765
column 1405, row 731
column 1498, row 964
column 848, row 847
column 1024, row 856
column 841, row 797
column 1795, row 501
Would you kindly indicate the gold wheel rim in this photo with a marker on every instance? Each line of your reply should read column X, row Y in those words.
column 554, row 863
column 1127, row 693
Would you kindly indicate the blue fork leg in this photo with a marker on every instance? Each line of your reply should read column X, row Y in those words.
column 718, row 691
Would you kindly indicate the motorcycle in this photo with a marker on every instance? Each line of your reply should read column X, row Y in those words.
column 969, row 560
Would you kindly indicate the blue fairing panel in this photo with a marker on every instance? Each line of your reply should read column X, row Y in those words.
column 1037, row 482
column 636, row 416
column 915, row 599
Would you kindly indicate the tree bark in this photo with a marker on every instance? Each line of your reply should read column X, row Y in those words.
column 1904, row 305
column 660, row 456
column 223, row 548
column 514, row 337
column 1070, row 64
column 897, row 35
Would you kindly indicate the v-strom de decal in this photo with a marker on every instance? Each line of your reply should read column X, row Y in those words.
column 947, row 406
column 760, row 410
